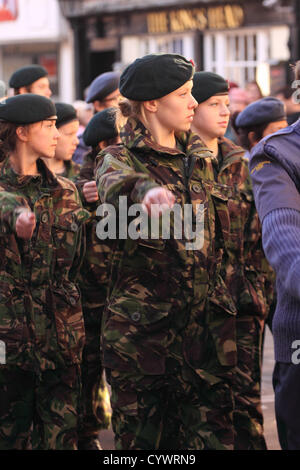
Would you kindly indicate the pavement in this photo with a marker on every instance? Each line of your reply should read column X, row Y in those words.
column 107, row 436
column 267, row 397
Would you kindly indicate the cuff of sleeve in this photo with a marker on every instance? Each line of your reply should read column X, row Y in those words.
column 15, row 214
column 141, row 188
column 8, row 222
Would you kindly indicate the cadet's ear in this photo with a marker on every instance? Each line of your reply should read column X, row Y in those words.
column 98, row 106
column 102, row 145
column 22, row 133
column 23, row 90
column 151, row 106
column 252, row 138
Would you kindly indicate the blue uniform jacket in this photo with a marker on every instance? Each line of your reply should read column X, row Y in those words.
column 275, row 171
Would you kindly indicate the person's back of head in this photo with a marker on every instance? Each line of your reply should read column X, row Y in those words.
column 85, row 112
column 239, row 99
column 254, row 91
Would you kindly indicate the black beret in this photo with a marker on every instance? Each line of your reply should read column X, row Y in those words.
column 102, row 86
column 65, row 113
column 262, row 111
column 26, row 109
column 154, row 76
column 208, row 84
column 27, row 75
column 101, row 127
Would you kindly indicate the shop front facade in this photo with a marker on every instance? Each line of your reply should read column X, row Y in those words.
column 35, row 32
column 241, row 40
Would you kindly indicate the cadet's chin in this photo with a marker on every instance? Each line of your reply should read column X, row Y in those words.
column 49, row 155
column 67, row 158
column 184, row 128
column 222, row 133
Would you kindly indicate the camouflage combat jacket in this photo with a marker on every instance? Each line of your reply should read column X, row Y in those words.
column 41, row 321
column 71, row 171
column 94, row 275
column 248, row 275
column 159, row 287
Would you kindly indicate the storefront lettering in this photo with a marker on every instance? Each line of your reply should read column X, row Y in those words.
column 157, row 22
column 221, row 17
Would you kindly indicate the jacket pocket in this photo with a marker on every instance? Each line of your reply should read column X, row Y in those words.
column 66, row 230
column 136, row 335
column 12, row 320
column 220, row 196
column 69, row 320
column 252, row 298
column 221, row 322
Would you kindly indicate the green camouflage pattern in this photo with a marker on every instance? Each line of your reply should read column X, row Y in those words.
column 71, row 171
column 93, row 281
column 157, row 322
column 250, row 280
column 39, row 412
column 41, row 321
column 172, row 414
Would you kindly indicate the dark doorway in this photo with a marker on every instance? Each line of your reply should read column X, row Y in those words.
column 101, row 62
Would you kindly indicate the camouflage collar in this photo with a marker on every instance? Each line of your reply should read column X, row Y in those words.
column 135, row 136
column 8, row 174
column 231, row 152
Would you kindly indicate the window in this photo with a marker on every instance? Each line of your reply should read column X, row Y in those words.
column 138, row 46
column 236, row 55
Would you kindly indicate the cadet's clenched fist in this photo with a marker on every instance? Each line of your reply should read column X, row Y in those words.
column 90, row 191
column 25, row 224
column 157, row 200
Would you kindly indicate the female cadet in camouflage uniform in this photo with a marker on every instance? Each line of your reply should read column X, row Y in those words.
column 157, row 342
column 41, row 322
column 100, row 132
column 67, row 124
column 246, row 271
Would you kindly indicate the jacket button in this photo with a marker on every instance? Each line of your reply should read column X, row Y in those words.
column 45, row 217
column 196, row 188
column 136, row 316
column 72, row 301
column 74, row 227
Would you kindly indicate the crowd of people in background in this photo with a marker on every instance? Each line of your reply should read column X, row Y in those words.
column 103, row 93
column 178, row 334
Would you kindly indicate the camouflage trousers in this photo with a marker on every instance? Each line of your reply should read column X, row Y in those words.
column 95, row 402
column 248, row 417
column 169, row 413
column 39, row 412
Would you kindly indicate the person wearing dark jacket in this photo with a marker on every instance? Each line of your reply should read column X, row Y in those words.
column 275, row 172
column 100, row 132
column 102, row 93
column 245, row 267
column 160, row 342
column 41, row 246
column 67, row 124
column 257, row 120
